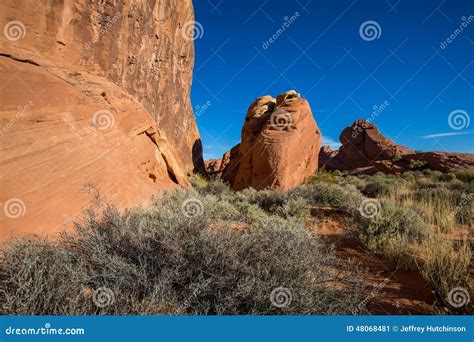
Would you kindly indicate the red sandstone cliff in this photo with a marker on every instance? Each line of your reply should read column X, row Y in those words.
column 92, row 93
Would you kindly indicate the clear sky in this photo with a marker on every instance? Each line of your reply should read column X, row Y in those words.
column 346, row 57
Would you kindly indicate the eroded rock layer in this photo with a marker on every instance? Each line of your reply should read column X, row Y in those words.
column 279, row 146
column 95, row 94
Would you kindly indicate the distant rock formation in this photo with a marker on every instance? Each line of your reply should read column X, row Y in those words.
column 93, row 93
column 217, row 166
column 279, row 147
column 365, row 150
column 363, row 144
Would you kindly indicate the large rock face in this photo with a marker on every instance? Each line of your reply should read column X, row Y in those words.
column 93, row 93
column 279, row 147
column 365, row 150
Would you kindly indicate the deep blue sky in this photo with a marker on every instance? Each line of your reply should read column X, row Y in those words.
column 342, row 75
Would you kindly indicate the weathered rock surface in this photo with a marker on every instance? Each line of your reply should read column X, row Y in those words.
column 363, row 144
column 365, row 150
column 217, row 166
column 92, row 93
column 279, row 145
column 328, row 159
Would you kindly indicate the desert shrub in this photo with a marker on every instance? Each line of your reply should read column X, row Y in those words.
column 412, row 176
column 446, row 177
column 446, row 207
column 216, row 187
column 324, row 176
column 416, row 164
column 276, row 202
column 346, row 198
column 269, row 200
column 381, row 185
column 294, row 207
column 397, row 158
column 40, row 277
column 357, row 182
column 445, row 266
column 466, row 175
column 198, row 180
column 393, row 226
column 459, row 185
column 434, row 174
column 170, row 259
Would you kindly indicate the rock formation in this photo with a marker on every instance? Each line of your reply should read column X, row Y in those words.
column 363, row 144
column 365, row 150
column 328, row 159
column 217, row 166
column 92, row 93
column 279, row 147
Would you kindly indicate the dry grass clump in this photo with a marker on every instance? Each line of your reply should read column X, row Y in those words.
column 420, row 213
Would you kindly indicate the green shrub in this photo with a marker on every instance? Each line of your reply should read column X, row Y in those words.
column 466, row 175
column 324, row 176
column 397, row 158
column 416, row 164
column 294, row 207
column 381, row 185
column 198, row 180
column 217, row 187
column 346, row 198
column 392, row 223
column 269, row 200
column 446, row 177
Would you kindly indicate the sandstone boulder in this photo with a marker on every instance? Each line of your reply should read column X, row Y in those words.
column 279, row 147
column 93, row 93
column 363, row 144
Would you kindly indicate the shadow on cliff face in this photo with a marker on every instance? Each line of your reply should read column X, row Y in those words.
column 198, row 162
